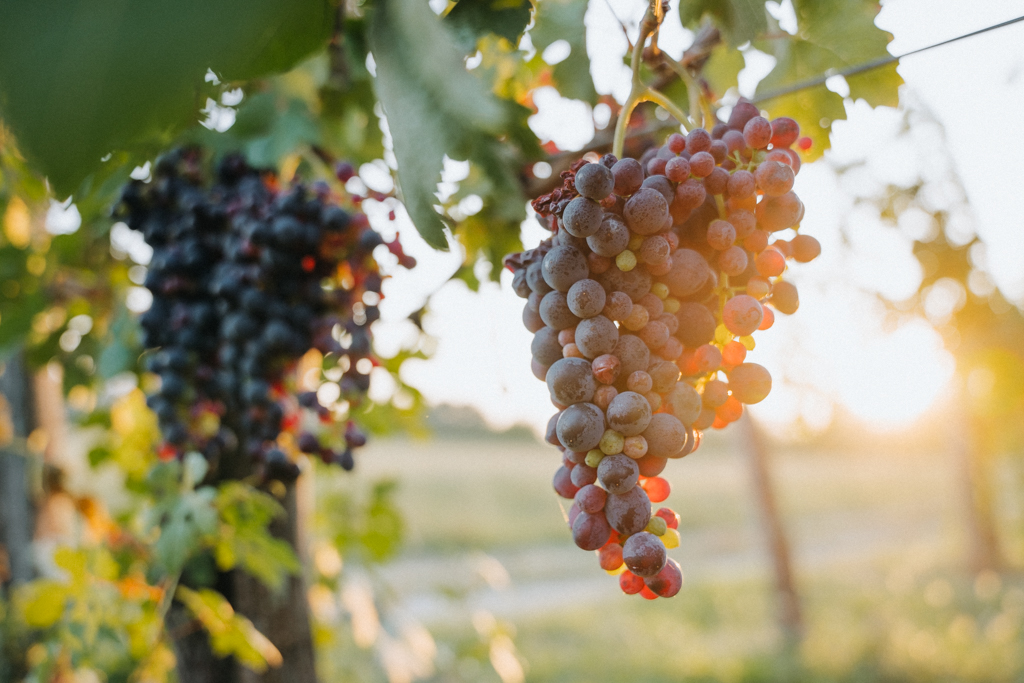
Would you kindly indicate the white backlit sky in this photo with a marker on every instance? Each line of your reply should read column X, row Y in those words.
column 834, row 350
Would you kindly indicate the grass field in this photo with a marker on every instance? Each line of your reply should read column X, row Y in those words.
column 879, row 550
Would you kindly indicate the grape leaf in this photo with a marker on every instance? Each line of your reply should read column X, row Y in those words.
column 470, row 20
column 831, row 35
column 563, row 20
column 740, row 20
column 432, row 104
column 79, row 80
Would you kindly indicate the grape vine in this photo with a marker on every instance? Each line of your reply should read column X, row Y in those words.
column 643, row 304
column 247, row 277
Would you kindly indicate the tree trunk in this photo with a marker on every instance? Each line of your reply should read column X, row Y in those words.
column 790, row 615
column 975, row 466
column 17, row 511
column 284, row 619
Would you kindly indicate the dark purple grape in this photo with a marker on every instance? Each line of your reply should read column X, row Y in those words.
column 563, row 483
column 596, row 336
column 618, row 473
column 590, row 532
column 586, row 298
column 571, row 380
column 563, row 266
column 628, row 175
column 583, row 475
column 594, row 181
column 662, row 185
column 591, row 499
column 629, row 413
column 644, row 554
column 665, row 435
column 554, row 311
column 646, row 212
column 667, row 582
column 582, row 217
column 629, row 512
column 632, row 353
column 610, row 239
column 580, row 427
column 545, row 346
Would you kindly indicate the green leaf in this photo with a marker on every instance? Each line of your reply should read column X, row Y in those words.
column 722, row 69
column 740, row 20
column 42, row 602
column 831, row 35
column 81, row 79
column 230, row 634
column 563, row 20
column 470, row 20
column 245, row 540
column 432, row 103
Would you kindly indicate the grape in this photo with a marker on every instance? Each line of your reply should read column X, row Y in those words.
column 805, row 248
column 696, row 324
column 635, row 283
column 778, row 213
column 590, row 531
column 519, row 284
column 741, row 113
column 611, row 237
column 628, row 512
column 610, row 557
column 655, row 335
column 563, row 483
column 734, row 141
column 733, row 261
column 656, row 250
column 667, row 582
column 539, row 371
column 656, row 166
column 785, row 131
column 750, row 383
column 716, row 392
column 583, row 475
column 690, row 194
column 554, row 311
column 628, row 175
column 651, row 465
column 670, row 517
column 636, row 319
column 533, row 300
column 676, row 143
column 646, row 211
column 531, row 319
column 640, row 382
column 563, row 266
column 606, row 368
column 570, row 381
column 698, row 140
column 237, row 301
column 618, row 473
column 756, row 241
column 591, row 499
column 721, row 234
column 741, row 184
column 665, row 436
column 689, row 272
column 717, row 182
column 586, row 298
column 702, row 164
column 545, row 346
column 535, row 278
column 742, row 314
column 785, row 298
column 757, row 132
column 629, row 413
column 618, row 307
column 677, row 170
column 644, row 554
column 770, row 263
column 663, row 375
column 630, row 583
column 658, row 490
column 594, row 181
column 582, row 217
column 744, row 222
column 596, row 336
column 661, row 184
column 632, row 353
column 684, row 402
column 775, row 179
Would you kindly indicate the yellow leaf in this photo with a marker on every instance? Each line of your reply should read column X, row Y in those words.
column 17, row 223
column 42, row 602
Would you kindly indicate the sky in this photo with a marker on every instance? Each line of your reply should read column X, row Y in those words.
column 838, row 349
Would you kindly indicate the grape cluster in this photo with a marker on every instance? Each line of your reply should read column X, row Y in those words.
column 642, row 305
column 246, row 278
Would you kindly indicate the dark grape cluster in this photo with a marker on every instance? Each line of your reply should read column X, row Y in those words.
column 247, row 278
column 642, row 305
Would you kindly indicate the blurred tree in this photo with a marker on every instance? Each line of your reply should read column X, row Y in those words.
column 89, row 94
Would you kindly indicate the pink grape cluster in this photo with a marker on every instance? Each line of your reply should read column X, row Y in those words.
column 642, row 305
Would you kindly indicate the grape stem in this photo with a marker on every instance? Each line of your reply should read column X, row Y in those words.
column 639, row 92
